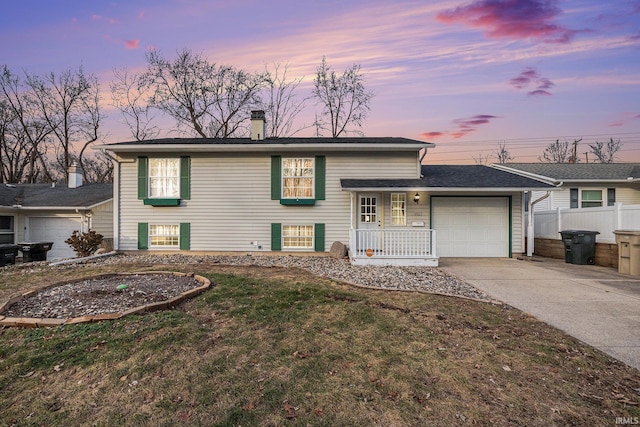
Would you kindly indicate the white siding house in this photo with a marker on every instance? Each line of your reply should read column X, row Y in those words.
column 582, row 185
column 299, row 195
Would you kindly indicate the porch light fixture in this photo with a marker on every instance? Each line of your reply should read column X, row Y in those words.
column 416, row 198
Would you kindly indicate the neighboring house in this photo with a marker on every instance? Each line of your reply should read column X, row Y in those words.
column 50, row 212
column 582, row 185
column 284, row 195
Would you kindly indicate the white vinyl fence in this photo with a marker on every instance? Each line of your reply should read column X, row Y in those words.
column 548, row 224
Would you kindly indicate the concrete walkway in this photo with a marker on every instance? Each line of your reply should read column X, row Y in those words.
column 595, row 304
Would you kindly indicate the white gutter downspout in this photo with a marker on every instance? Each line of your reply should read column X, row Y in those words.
column 530, row 222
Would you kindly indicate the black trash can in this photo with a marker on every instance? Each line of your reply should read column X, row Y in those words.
column 579, row 246
column 8, row 254
column 34, row 251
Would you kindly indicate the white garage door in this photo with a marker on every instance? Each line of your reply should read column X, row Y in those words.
column 56, row 230
column 471, row 226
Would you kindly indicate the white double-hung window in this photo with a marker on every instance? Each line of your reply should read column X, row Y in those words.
column 164, row 235
column 297, row 236
column 398, row 209
column 591, row 198
column 297, row 178
column 164, row 178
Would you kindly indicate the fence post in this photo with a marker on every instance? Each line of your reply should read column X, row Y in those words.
column 559, row 219
column 617, row 216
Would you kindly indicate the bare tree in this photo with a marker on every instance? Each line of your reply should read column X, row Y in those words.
column 130, row 96
column 605, row 152
column 282, row 107
column 482, row 159
column 26, row 134
column 98, row 168
column 503, row 154
column 344, row 99
column 557, row 152
column 69, row 105
column 212, row 101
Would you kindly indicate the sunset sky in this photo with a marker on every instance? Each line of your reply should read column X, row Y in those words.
column 465, row 75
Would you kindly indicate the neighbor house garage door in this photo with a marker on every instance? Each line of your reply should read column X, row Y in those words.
column 56, row 230
column 471, row 226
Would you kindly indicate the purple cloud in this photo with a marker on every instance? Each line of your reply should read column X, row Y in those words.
column 514, row 19
column 530, row 77
column 464, row 127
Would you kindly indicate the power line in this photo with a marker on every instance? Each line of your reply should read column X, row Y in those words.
column 547, row 138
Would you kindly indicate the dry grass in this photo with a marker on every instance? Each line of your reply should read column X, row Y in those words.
column 272, row 346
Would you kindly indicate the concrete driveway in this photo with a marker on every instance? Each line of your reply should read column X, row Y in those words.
column 595, row 304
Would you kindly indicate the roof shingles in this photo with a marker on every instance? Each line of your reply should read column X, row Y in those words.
column 44, row 195
column 452, row 176
column 580, row 171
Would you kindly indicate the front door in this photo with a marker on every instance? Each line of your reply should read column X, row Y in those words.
column 369, row 221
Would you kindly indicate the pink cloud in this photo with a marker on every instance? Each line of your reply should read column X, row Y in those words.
column 626, row 117
column 530, row 77
column 432, row 135
column 131, row 44
column 514, row 19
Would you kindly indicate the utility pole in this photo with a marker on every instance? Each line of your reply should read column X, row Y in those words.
column 574, row 159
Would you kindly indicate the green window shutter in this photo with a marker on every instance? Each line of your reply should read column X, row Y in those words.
column 321, row 171
column 318, row 238
column 143, row 174
column 276, row 177
column 276, row 237
column 185, row 177
column 185, row 236
column 143, row 235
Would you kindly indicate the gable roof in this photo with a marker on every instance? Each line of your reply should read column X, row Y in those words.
column 556, row 172
column 168, row 145
column 45, row 196
column 452, row 177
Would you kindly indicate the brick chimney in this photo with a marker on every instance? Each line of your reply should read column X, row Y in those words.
column 258, row 125
column 75, row 176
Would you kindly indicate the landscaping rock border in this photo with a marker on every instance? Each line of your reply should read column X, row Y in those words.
column 31, row 322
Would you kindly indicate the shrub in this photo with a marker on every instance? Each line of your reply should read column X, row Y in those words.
column 84, row 244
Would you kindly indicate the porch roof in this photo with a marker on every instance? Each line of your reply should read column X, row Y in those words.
column 451, row 178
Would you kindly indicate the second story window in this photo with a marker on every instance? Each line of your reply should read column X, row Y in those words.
column 297, row 178
column 164, row 178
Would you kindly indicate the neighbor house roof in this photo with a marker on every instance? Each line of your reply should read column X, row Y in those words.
column 452, row 177
column 44, row 196
column 557, row 172
column 264, row 145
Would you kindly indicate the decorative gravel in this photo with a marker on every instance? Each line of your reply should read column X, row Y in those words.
column 101, row 295
column 425, row 279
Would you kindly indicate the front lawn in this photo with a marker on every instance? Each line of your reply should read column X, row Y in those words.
column 276, row 346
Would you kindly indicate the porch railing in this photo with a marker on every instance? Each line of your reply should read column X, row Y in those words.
column 405, row 243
